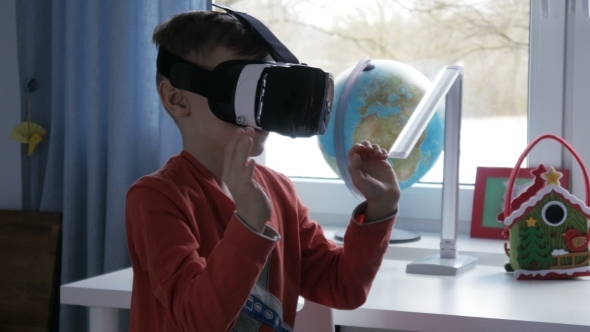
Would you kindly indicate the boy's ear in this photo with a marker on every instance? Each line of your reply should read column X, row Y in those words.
column 173, row 100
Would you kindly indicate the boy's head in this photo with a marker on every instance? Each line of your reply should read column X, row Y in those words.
column 205, row 38
column 197, row 35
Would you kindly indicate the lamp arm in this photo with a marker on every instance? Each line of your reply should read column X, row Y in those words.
column 448, row 84
column 417, row 123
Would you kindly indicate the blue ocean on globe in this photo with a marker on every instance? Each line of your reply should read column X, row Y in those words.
column 380, row 104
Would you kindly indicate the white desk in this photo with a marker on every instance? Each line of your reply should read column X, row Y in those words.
column 483, row 299
column 105, row 295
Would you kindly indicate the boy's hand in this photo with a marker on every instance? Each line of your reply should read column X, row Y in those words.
column 252, row 204
column 374, row 177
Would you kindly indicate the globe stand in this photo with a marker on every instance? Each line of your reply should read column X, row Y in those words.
column 397, row 236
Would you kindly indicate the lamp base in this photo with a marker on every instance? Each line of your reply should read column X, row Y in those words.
column 436, row 266
column 397, row 236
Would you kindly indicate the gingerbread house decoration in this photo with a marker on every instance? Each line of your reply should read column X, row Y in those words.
column 548, row 230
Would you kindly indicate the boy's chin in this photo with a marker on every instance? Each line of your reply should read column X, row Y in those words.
column 257, row 150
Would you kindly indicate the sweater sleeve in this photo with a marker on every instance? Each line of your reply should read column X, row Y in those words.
column 341, row 277
column 198, row 294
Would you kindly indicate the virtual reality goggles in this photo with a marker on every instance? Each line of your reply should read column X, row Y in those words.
column 285, row 97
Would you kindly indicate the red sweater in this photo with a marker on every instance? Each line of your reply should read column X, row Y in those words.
column 197, row 267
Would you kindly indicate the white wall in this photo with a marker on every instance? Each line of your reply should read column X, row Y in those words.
column 10, row 163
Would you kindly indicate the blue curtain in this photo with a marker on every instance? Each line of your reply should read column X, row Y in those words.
column 95, row 64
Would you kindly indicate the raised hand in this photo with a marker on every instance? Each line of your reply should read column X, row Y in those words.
column 252, row 204
column 374, row 177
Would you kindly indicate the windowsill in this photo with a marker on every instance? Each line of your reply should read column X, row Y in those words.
column 487, row 251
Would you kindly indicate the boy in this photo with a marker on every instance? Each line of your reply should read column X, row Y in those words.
column 218, row 243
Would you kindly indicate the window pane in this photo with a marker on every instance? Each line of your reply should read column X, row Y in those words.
column 488, row 38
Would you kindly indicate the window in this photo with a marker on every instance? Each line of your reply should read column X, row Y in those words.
column 489, row 38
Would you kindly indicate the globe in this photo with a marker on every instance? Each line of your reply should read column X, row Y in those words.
column 381, row 101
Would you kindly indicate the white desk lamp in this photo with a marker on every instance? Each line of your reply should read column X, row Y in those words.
column 448, row 84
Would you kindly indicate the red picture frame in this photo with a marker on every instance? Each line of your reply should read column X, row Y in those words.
column 488, row 197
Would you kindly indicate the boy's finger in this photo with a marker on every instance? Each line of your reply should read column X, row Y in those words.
column 384, row 153
column 355, row 161
column 377, row 152
column 233, row 140
column 241, row 153
column 230, row 148
column 249, row 171
column 357, row 148
column 354, row 167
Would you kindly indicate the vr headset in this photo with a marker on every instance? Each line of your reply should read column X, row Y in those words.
column 285, row 97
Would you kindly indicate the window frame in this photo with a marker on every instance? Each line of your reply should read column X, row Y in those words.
column 551, row 109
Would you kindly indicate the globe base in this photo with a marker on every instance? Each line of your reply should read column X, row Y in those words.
column 397, row 236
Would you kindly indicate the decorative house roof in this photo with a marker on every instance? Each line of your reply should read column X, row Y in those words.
column 535, row 193
column 538, row 184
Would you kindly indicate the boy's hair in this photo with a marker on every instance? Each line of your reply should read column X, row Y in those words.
column 195, row 35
